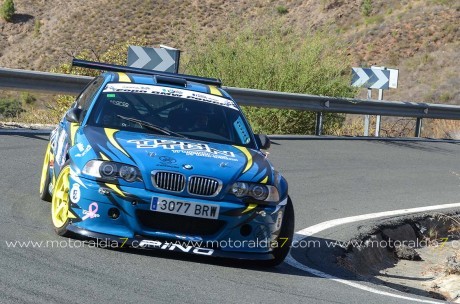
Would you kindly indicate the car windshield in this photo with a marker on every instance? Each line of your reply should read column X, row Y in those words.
column 171, row 112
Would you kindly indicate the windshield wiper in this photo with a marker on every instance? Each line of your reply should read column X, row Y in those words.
column 151, row 126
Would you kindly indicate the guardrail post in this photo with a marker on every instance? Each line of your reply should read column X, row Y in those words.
column 418, row 127
column 319, row 123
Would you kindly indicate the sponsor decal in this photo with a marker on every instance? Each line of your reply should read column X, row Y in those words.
column 172, row 91
column 60, row 155
column 279, row 220
column 75, row 193
column 82, row 150
column 175, row 247
column 190, row 149
column 158, row 90
column 119, row 103
column 53, row 137
column 151, row 154
column 91, row 212
column 167, row 159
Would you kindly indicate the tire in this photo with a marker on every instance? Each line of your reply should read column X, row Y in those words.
column 45, row 176
column 60, row 202
column 287, row 232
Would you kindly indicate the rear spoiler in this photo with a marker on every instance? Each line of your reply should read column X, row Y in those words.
column 125, row 69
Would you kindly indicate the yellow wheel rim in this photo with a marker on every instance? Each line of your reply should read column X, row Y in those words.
column 60, row 201
column 46, row 163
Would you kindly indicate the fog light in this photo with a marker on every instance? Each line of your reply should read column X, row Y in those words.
column 245, row 230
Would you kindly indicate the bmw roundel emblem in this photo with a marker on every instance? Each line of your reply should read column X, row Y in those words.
column 187, row 167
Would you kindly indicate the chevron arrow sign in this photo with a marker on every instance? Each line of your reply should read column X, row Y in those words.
column 370, row 78
column 158, row 59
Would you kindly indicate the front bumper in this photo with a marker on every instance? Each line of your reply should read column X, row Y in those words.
column 241, row 230
column 139, row 242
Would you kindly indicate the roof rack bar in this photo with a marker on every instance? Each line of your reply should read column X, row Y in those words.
column 125, row 69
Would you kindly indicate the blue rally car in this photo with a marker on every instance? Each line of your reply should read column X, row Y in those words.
column 165, row 161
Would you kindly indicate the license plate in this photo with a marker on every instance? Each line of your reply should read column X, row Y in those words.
column 166, row 205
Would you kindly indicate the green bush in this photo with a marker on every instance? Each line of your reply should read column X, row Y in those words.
column 7, row 10
column 276, row 60
column 282, row 10
column 10, row 107
column 37, row 26
column 366, row 8
column 28, row 98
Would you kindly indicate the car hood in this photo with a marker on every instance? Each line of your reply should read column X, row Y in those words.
column 152, row 152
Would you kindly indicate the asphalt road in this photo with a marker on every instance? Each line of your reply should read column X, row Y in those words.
column 328, row 179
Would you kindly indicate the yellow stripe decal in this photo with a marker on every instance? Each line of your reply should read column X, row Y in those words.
column 110, row 135
column 265, row 180
column 73, row 130
column 115, row 188
column 104, row 157
column 122, row 77
column 214, row 90
column 248, row 157
column 250, row 207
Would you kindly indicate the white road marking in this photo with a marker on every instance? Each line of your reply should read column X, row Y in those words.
column 299, row 235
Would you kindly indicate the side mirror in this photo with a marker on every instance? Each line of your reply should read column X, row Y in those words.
column 263, row 141
column 73, row 115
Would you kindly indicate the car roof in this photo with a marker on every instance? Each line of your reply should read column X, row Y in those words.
column 173, row 82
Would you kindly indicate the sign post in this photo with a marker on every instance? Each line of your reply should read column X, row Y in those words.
column 379, row 78
column 366, row 117
column 377, row 119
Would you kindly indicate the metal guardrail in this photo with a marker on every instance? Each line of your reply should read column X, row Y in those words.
column 23, row 80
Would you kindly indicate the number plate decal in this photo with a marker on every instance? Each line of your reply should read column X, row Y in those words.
column 187, row 208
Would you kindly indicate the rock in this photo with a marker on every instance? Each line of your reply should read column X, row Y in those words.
column 401, row 233
column 452, row 265
column 454, row 134
column 404, row 252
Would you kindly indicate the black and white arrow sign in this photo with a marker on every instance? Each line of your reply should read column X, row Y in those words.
column 157, row 59
column 370, row 78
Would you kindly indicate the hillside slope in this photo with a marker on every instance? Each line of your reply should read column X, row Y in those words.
column 419, row 37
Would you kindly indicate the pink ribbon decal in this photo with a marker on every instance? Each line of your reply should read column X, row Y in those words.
column 91, row 213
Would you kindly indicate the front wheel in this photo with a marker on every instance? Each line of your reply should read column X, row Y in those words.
column 60, row 202
column 284, row 239
column 45, row 177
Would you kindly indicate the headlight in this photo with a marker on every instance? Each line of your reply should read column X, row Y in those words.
column 239, row 189
column 259, row 192
column 110, row 171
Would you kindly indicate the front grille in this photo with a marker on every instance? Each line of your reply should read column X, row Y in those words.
column 203, row 186
column 181, row 224
column 169, row 181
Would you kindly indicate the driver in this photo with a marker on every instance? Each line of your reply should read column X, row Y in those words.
column 200, row 122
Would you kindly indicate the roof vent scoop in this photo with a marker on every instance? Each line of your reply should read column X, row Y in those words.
column 176, row 81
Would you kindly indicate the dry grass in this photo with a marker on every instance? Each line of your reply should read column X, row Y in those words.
column 400, row 127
